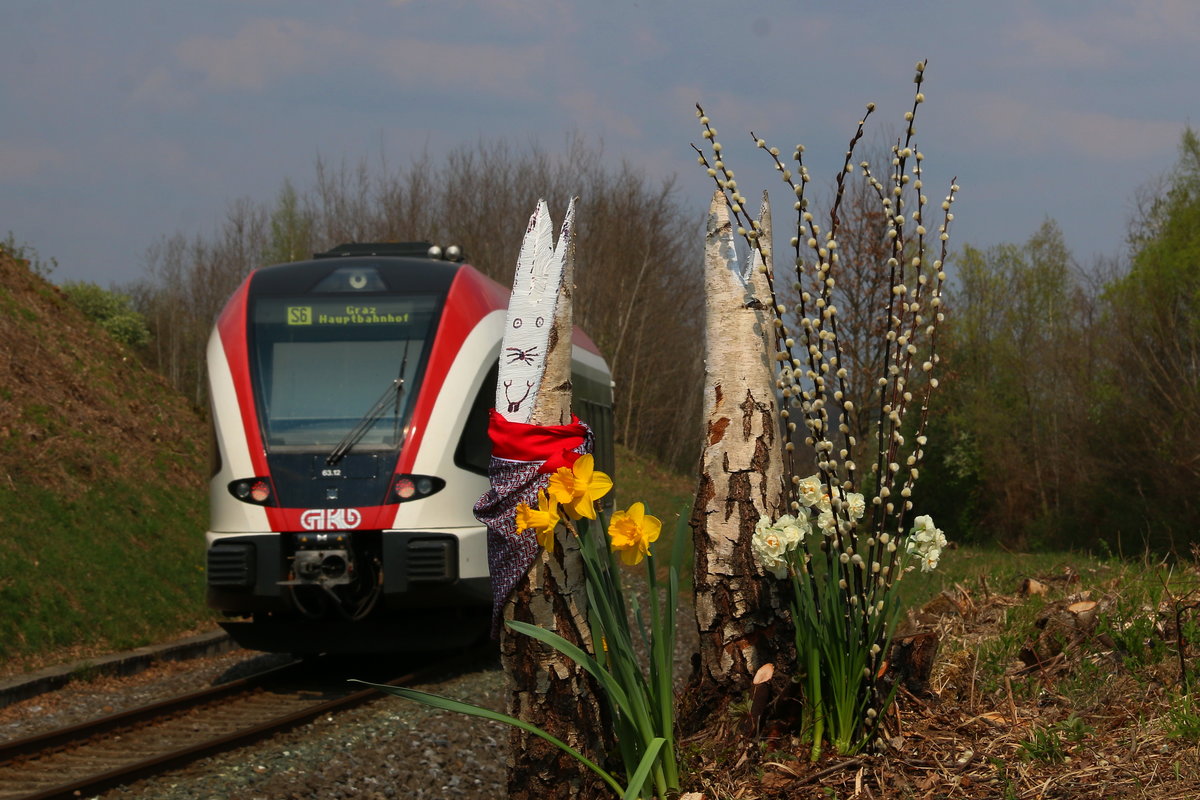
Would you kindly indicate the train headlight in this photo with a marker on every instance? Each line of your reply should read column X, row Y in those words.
column 451, row 253
column 252, row 490
column 415, row 487
column 405, row 488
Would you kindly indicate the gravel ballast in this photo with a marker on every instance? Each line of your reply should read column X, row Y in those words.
column 386, row 748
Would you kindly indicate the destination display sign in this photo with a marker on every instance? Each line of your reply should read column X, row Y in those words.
column 338, row 312
column 351, row 314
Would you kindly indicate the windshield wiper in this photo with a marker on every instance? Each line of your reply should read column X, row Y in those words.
column 391, row 395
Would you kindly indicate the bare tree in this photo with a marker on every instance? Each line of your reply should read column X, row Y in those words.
column 639, row 283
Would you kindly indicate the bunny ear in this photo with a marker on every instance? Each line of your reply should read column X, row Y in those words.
column 532, row 262
column 760, row 266
column 719, row 248
column 532, row 430
column 564, row 251
column 532, row 311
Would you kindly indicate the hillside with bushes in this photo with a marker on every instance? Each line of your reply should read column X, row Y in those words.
column 102, row 484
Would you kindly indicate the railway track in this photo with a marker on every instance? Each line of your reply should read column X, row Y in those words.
column 88, row 758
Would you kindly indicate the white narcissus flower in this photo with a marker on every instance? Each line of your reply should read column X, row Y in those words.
column 768, row 551
column 760, row 528
column 811, row 491
column 789, row 530
column 804, row 523
column 782, row 522
column 778, row 568
column 769, row 548
column 826, row 522
column 925, row 541
column 856, row 505
column 771, row 545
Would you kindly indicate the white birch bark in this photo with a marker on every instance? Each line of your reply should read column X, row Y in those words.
column 737, row 612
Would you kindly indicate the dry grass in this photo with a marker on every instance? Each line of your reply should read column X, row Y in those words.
column 1026, row 699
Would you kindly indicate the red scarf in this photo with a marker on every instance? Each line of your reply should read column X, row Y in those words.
column 518, row 441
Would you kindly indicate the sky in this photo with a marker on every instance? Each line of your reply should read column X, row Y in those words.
column 123, row 122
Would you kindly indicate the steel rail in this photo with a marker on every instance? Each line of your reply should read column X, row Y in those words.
column 29, row 749
column 17, row 750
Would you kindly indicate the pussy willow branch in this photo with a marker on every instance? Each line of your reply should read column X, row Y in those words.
column 861, row 583
column 889, row 424
column 876, row 551
column 817, row 417
column 809, row 236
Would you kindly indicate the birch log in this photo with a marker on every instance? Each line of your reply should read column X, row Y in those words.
column 547, row 688
column 737, row 612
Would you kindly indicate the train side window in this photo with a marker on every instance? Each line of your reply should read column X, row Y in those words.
column 215, row 463
column 599, row 417
column 474, row 450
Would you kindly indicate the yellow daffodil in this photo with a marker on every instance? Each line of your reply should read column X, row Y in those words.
column 632, row 532
column 543, row 519
column 577, row 489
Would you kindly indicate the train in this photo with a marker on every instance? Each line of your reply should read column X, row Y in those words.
column 349, row 406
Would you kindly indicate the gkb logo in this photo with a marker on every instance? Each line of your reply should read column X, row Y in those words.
column 330, row 519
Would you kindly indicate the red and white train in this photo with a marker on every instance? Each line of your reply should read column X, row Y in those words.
column 350, row 396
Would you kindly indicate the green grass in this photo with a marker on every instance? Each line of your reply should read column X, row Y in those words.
column 1149, row 611
column 988, row 570
column 667, row 495
column 1183, row 719
column 112, row 567
column 1053, row 743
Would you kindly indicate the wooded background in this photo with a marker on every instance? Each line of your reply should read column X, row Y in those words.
column 1069, row 408
column 639, row 291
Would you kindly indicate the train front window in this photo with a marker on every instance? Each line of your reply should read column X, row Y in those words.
column 322, row 365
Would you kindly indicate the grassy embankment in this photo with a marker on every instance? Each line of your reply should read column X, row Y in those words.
column 666, row 494
column 102, row 490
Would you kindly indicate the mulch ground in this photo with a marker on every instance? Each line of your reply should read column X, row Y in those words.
column 1071, row 716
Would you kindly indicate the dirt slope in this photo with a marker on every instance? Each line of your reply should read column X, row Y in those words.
column 74, row 403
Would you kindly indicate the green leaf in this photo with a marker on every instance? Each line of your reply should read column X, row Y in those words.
column 638, row 780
